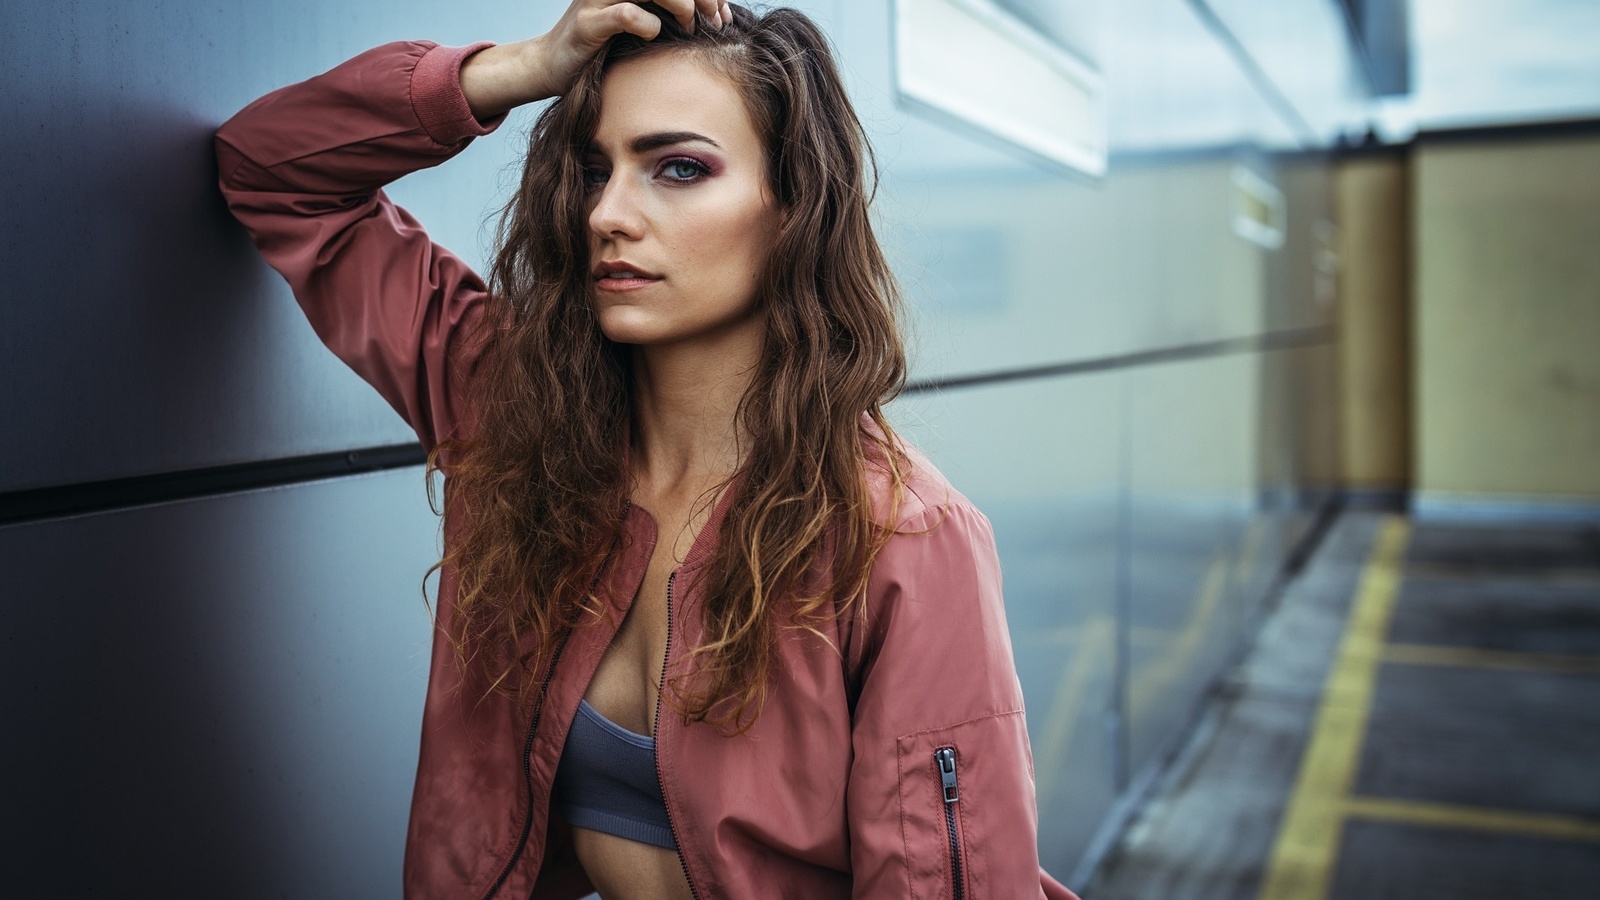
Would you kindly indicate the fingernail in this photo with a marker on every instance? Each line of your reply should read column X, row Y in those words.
column 716, row 19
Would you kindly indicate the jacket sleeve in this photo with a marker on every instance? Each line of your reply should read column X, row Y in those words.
column 303, row 169
column 941, row 790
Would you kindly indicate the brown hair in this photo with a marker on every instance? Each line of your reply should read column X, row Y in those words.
column 542, row 479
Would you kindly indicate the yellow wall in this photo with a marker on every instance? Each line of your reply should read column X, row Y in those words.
column 1507, row 293
column 1371, row 197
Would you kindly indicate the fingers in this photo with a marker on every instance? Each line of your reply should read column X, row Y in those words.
column 711, row 11
column 714, row 11
column 629, row 16
column 633, row 19
column 682, row 10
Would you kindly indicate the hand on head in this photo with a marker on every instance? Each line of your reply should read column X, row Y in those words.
column 503, row 77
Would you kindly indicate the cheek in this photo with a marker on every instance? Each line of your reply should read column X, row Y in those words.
column 731, row 243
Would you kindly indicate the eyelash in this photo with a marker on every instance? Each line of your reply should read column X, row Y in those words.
column 700, row 169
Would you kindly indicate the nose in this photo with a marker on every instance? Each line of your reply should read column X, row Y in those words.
column 616, row 214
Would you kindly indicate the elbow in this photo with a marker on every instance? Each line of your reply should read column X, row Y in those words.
column 228, row 159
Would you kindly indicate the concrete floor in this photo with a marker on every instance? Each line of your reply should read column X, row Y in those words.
column 1420, row 718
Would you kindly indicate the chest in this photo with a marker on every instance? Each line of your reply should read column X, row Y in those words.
column 626, row 688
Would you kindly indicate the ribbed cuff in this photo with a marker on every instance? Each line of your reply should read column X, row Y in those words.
column 437, row 99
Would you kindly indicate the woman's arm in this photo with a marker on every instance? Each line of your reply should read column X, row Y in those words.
column 941, row 794
column 303, row 169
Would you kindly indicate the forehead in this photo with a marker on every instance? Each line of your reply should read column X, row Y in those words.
column 666, row 92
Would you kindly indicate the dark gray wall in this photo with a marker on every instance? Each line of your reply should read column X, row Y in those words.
column 141, row 332
column 216, row 697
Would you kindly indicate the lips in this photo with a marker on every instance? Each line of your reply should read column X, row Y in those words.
column 619, row 270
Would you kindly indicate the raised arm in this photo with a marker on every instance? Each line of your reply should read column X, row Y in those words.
column 541, row 67
column 303, row 169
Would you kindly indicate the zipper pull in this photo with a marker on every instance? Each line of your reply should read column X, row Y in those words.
column 946, row 758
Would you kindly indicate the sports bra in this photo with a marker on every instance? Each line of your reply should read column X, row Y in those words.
column 606, row 781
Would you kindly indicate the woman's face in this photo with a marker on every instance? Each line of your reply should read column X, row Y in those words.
column 680, row 215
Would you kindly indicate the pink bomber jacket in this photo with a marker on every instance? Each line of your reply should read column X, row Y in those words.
column 902, row 770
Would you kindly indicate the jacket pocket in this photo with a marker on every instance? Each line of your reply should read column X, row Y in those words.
column 967, row 813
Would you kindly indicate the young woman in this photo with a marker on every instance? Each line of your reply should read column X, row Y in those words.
column 705, row 626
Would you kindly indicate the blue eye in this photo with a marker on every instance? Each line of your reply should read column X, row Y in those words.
column 595, row 177
column 684, row 169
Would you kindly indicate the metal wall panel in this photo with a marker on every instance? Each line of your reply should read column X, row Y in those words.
column 987, row 261
column 141, row 330
column 1007, row 265
column 1192, row 496
column 1007, row 272
column 218, row 697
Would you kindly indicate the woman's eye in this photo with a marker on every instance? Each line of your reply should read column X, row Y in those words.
column 683, row 169
column 595, row 177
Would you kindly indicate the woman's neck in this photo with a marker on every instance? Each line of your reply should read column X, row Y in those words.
column 686, row 433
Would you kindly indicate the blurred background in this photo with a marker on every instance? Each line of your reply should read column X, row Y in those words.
column 1267, row 334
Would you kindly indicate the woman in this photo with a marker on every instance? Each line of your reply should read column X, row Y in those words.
column 706, row 628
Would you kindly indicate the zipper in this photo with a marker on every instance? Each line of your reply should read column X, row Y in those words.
column 944, row 760
column 533, row 730
column 655, row 731
column 527, row 769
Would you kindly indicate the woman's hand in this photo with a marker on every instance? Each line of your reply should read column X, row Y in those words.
column 500, row 78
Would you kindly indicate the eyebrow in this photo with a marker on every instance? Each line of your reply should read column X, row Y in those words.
column 647, row 142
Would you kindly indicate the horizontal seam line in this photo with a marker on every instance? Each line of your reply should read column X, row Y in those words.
column 1271, row 340
column 88, row 498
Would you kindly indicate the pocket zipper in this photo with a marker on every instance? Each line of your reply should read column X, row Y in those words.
column 944, row 759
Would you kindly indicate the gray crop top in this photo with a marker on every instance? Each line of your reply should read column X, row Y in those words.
column 606, row 781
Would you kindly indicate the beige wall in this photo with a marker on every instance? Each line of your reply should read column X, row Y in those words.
column 1302, row 286
column 1507, row 292
column 1372, row 198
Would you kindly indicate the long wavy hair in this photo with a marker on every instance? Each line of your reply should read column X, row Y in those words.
column 542, row 477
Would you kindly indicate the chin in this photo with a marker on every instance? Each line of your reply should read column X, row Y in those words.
column 631, row 329
column 642, row 327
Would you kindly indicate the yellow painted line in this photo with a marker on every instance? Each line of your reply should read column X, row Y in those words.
column 1091, row 661
column 1096, row 639
column 1472, row 818
column 1151, row 683
column 1475, row 658
column 1307, row 847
